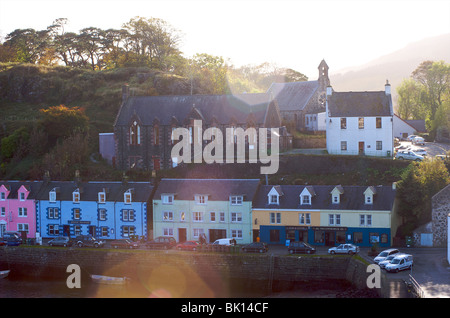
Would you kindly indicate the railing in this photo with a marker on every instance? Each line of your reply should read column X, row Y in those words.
column 415, row 288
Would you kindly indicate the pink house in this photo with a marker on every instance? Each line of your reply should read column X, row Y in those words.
column 18, row 206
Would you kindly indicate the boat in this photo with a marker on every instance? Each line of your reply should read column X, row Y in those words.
column 109, row 280
column 4, row 274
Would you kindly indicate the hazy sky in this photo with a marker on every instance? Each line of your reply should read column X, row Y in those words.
column 291, row 33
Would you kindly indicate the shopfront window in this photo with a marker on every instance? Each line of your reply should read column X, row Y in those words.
column 357, row 237
column 318, row 236
column 340, row 237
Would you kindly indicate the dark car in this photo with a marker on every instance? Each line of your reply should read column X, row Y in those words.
column 60, row 241
column 124, row 243
column 11, row 239
column 87, row 240
column 188, row 246
column 257, row 247
column 162, row 242
column 301, row 247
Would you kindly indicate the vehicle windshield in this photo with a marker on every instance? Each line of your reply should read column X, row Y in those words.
column 396, row 261
column 383, row 254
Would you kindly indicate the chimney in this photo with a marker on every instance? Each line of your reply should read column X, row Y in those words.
column 387, row 88
column 125, row 92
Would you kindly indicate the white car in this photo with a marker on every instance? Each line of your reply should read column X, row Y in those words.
column 418, row 141
column 344, row 249
column 382, row 256
column 387, row 260
column 408, row 155
column 411, row 137
column 400, row 262
column 420, row 151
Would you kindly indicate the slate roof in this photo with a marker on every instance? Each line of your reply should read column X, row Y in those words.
column 359, row 104
column 294, row 95
column 223, row 108
column 14, row 186
column 352, row 198
column 417, row 124
column 89, row 190
column 216, row 189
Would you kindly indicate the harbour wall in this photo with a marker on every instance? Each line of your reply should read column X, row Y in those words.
column 204, row 274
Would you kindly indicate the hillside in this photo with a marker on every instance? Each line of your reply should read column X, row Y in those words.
column 395, row 66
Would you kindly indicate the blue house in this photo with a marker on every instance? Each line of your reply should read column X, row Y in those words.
column 106, row 210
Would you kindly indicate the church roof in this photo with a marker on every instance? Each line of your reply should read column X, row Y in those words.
column 293, row 95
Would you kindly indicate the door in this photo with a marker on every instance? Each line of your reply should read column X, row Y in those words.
column 92, row 230
column 329, row 239
column 361, row 147
column 182, row 235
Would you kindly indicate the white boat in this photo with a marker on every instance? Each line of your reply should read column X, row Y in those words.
column 4, row 274
column 109, row 280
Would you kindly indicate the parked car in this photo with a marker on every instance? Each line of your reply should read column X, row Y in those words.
column 188, row 246
column 418, row 141
column 400, row 262
column 87, row 240
column 162, row 242
column 408, row 155
column 386, row 261
column 225, row 241
column 11, row 239
column 258, row 247
column 60, row 241
column 420, row 151
column 300, row 247
column 344, row 249
column 411, row 137
column 382, row 256
column 124, row 243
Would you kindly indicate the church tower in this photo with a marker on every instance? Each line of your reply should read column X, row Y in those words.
column 324, row 81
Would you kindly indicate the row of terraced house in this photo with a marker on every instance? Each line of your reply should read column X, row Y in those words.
column 245, row 209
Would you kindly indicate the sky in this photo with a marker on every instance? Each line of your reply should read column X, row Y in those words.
column 296, row 34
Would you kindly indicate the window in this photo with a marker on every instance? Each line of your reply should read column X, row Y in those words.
column 343, row 123
column 365, row 220
column 384, row 238
column 156, row 135
column 53, row 213
column 369, row 220
column 167, row 199
column 378, row 122
column 357, row 237
column 343, row 146
column 102, row 214
column 53, row 229
column 222, row 217
column 3, row 211
column 304, row 218
column 101, row 197
column 23, row 212
column 76, row 196
column 128, row 215
column 237, row 234
column 236, row 217
column 197, row 232
column 104, row 231
column 331, row 219
column 22, row 196
column 127, row 197
column 22, row 227
column 182, row 216
column 2, row 196
column 368, row 199
column 236, row 200
column 76, row 214
column 338, row 219
column 319, row 236
column 197, row 216
column 335, row 199
column 135, row 134
column 361, row 123
column 77, row 229
column 379, row 145
column 128, row 230
column 275, row 218
column 168, row 232
column 273, row 199
column 52, row 196
column 334, row 219
column 212, row 216
column 201, row 199
column 167, row 216
column 306, row 199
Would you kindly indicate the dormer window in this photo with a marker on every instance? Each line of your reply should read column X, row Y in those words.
column 236, row 199
column 167, row 198
column 368, row 195
column 127, row 197
column 336, row 194
column 102, row 197
column 22, row 196
column 2, row 196
column 52, row 196
column 274, row 195
column 76, row 196
column 201, row 199
column 306, row 195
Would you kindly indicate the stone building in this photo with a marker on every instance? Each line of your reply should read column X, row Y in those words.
column 440, row 210
column 299, row 99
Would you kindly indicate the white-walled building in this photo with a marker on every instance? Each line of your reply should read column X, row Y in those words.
column 360, row 123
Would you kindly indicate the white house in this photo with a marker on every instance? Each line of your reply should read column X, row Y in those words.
column 360, row 123
column 404, row 128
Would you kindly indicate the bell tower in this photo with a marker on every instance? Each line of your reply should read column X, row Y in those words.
column 324, row 81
